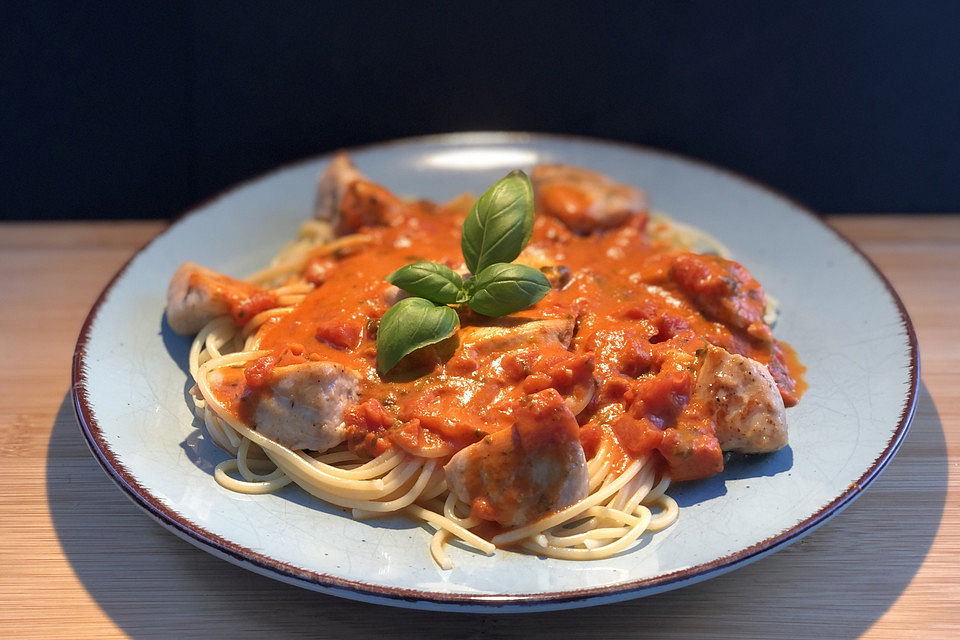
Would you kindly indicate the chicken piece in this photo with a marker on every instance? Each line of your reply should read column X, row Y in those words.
column 507, row 333
column 521, row 473
column 366, row 204
column 743, row 401
column 349, row 201
column 723, row 290
column 392, row 295
column 301, row 406
column 557, row 274
column 332, row 184
column 584, row 200
column 197, row 295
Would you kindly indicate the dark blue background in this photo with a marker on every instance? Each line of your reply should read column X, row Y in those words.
column 133, row 110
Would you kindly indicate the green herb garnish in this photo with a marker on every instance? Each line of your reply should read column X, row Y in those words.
column 495, row 232
column 409, row 325
column 502, row 289
column 431, row 280
column 499, row 224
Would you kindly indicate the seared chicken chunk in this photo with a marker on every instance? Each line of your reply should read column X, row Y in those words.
column 302, row 405
column 348, row 200
column 507, row 333
column 557, row 275
column 723, row 290
column 197, row 295
column 520, row 474
column 743, row 401
column 584, row 200
column 332, row 184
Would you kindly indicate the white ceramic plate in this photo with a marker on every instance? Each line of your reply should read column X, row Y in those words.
column 837, row 310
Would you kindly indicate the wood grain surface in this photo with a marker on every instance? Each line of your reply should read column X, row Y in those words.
column 79, row 560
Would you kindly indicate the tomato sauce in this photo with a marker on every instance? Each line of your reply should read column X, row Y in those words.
column 643, row 314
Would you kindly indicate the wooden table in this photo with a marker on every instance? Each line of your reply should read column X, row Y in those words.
column 77, row 559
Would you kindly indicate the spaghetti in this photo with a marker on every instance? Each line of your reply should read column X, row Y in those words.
column 613, row 516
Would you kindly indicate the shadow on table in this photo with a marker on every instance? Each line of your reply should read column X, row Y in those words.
column 152, row 584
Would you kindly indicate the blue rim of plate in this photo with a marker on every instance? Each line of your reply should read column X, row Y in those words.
column 265, row 565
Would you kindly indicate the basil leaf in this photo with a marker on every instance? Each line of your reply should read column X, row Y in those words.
column 431, row 280
column 500, row 223
column 409, row 325
column 502, row 289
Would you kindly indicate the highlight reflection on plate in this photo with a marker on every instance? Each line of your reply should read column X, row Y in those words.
column 129, row 383
column 481, row 158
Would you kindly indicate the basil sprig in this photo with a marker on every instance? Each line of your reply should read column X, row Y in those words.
column 502, row 289
column 431, row 280
column 409, row 325
column 499, row 224
column 497, row 229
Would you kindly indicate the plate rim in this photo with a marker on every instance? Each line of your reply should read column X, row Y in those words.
column 271, row 567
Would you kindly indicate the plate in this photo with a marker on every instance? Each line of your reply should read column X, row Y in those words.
column 837, row 310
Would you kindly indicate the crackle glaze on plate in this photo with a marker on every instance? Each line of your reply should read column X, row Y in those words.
column 840, row 314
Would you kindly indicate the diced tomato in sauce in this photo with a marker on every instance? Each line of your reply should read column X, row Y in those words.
column 339, row 334
column 244, row 309
column 256, row 373
column 639, row 436
column 366, row 426
column 691, row 449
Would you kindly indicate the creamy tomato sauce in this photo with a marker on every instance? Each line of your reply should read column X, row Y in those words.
column 640, row 316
